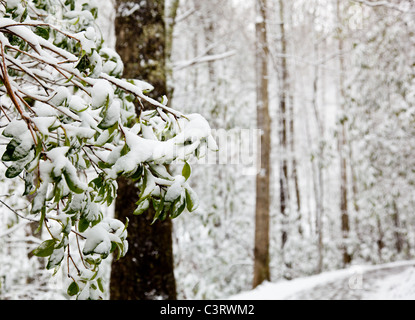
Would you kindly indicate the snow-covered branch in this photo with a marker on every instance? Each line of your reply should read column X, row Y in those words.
column 204, row 59
column 72, row 129
column 386, row 4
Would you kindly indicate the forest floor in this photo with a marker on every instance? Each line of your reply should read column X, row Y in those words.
column 393, row 281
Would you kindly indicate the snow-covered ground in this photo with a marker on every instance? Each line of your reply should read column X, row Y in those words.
column 393, row 281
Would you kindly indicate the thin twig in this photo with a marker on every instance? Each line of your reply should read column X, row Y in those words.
column 16, row 213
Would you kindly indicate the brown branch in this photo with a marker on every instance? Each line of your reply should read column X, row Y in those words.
column 6, row 81
column 12, row 95
column 16, row 213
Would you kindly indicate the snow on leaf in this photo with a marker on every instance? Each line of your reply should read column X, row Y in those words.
column 192, row 199
column 97, row 241
column 102, row 93
column 175, row 190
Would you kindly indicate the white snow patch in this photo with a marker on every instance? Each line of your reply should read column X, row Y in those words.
column 395, row 287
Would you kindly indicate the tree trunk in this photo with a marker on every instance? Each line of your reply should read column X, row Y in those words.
column 380, row 241
column 284, row 195
column 345, row 224
column 318, row 164
column 262, row 224
column 294, row 172
column 170, row 25
column 147, row 271
column 397, row 228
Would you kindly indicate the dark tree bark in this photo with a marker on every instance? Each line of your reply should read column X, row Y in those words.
column 147, row 271
column 262, row 217
column 141, row 41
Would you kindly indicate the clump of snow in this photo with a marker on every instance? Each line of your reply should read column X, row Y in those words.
column 98, row 240
column 195, row 128
column 77, row 104
column 102, row 92
column 175, row 189
column 44, row 123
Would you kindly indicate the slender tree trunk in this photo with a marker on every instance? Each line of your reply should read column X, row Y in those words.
column 147, row 271
column 207, row 22
column 262, row 223
column 355, row 193
column 345, row 224
column 209, row 33
column 380, row 242
column 318, row 165
column 397, row 224
column 318, row 158
column 284, row 194
column 294, row 173
column 288, row 21
column 319, row 183
column 311, row 175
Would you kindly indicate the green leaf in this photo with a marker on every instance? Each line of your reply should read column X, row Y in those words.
column 28, row 180
column 187, row 171
column 43, row 32
column 110, row 115
column 149, row 185
column 33, row 164
column 45, row 249
column 166, row 211
column 97, row 183
column 15, row 151
column 127, row 221
column 138, row 173
column 178, row 207
column 72, row 182
column 107, row 136
column 57, row 192
column 55, row 258
column 104, row 165
column 158, row 206
column 24, row 15
column 121, row 250
column 71, row 3
column 83, row 64
column 83, row 224
column 192, row 200
column 14, row 170
column 42, row 219
column 142, row 207
column 100, row 286
column 8, row 154
column 73, row 289
column 160, row 171
column 18, row 165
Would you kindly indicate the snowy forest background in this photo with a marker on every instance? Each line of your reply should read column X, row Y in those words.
column 341, row 154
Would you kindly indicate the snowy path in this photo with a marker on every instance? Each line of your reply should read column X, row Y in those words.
column 389, row 282
column 362, row 285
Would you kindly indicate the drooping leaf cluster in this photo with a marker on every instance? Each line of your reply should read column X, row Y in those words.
column 73, row 126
